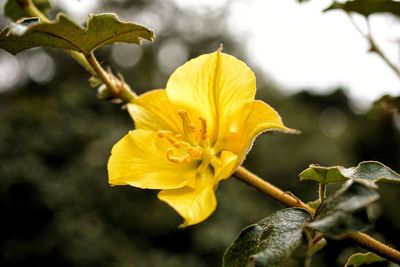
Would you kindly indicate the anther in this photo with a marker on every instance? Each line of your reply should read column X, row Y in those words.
column 186, row 121
column 203, row 129
column 188, row 126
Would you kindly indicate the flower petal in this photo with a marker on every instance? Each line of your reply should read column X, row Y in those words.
column 193, row 204
column 262, row 118
column 139, row 159
column 212, row 86
column 153, row 111
column 228, row 165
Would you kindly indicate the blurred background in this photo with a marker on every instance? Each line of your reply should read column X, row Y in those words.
column 57, row 208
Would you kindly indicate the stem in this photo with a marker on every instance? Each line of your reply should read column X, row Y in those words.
column 270, row 190
column 373, row 45
column 367, row 242
column 322, row 192
column 118, row 88
column 32, row 10
column 288, row 199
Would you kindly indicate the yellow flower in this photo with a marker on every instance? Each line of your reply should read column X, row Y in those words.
column 193, row 134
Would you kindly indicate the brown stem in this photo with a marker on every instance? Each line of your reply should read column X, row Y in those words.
column 270, row 190
column 118, row 88
column 373, row 45
column 288, row 199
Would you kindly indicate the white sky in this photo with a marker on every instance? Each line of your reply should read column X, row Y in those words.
column 299, row 47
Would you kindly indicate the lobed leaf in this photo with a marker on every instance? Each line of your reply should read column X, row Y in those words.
column 367, row 7
column 274, row 241
column 15, row 9
column 359, row 259
column 345, row 211
column 102, row 29
column 372, row 171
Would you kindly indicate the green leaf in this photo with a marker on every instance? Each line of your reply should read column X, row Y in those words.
column 368, row 7
column 345, row 211
column 359, row 259
column 365, row 171
column 102, row 29
column 314, row 204
column 14, row 9
column 274, row 241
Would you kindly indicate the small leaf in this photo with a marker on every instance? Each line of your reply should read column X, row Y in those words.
column 323, row 175
column 373, row 171
column 345, row 211
column 102, row 29
column 359, row 259
column 14, row 9
column 314, row 204
column 273, row 241
column 368, row 7
column 95, row 81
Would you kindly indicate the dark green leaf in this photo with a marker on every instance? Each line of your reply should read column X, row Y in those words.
column 274, row 241
column 368, row 7
column 15, row 9
column 365, row 171
column 359, row 259
column 102, row 29
column 345, row 211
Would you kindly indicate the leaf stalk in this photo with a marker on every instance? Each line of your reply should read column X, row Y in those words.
column 118, row 88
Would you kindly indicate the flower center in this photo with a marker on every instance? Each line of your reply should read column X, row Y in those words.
column 192, row 145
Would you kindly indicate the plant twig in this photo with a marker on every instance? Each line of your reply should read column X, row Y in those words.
column 361, row 239
column 118, row 88
column 270, row 190
column 373, row 45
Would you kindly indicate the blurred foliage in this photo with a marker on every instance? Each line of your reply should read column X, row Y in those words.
column 367, row 7
column 55, row 138
column 12, row 8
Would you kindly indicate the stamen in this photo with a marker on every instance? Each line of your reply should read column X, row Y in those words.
column 203, row 129
column 188, row 126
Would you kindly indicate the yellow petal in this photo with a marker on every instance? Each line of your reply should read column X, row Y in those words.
column 153, row 111
column 242, row 133
column 139, row 159
column 229, row 163
column 193, row 204
column 212, row 86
